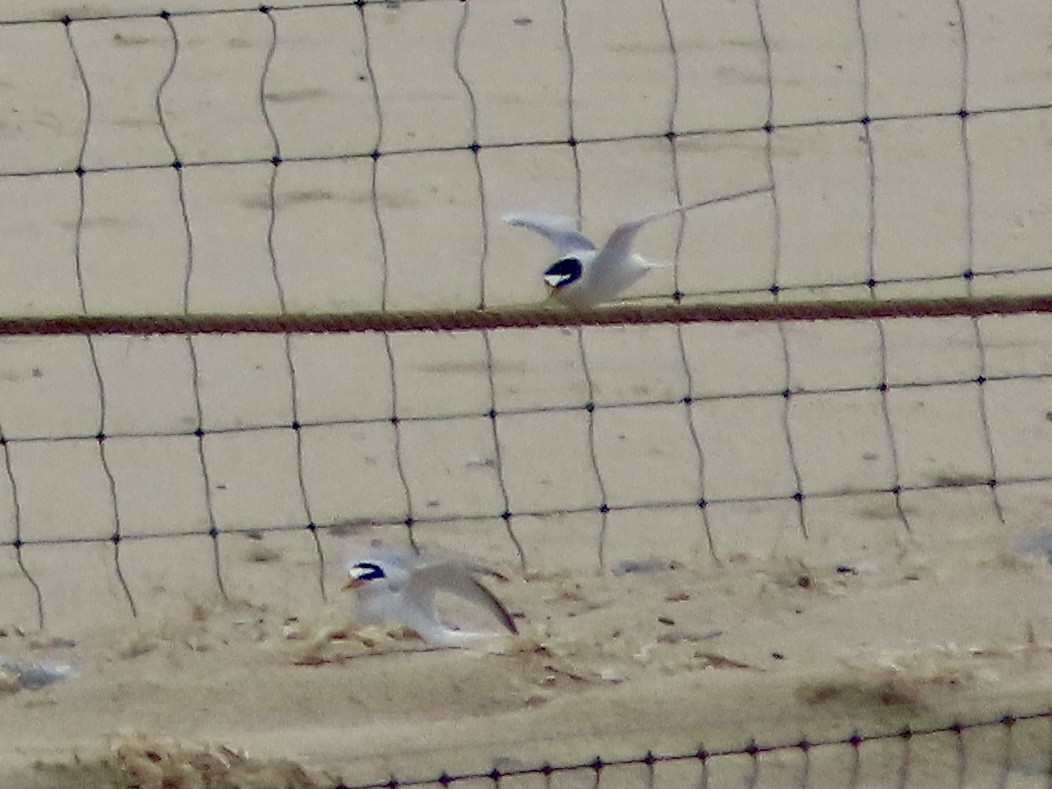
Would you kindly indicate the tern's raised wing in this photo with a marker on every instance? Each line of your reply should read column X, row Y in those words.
column 619, row 246
column 456, row 577
column 554, row 227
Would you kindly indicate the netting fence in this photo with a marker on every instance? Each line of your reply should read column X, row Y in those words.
column 1000, row 752
column 268, row 165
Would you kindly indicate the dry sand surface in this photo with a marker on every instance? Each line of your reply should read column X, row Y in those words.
column 669, row 656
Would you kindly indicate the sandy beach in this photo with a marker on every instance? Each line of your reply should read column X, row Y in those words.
column 712, row 534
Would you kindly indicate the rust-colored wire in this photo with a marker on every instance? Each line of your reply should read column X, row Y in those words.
column 518, row 317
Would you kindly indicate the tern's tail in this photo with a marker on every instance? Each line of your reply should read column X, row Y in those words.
column 642, row 263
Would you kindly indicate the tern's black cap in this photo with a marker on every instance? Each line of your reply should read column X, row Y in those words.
column 564, row 271
column 367, row 571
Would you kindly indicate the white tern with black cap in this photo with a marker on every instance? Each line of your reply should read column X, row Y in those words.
column 584, row 276
column 399, row 587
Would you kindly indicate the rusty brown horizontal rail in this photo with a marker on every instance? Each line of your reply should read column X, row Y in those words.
column 519, row 317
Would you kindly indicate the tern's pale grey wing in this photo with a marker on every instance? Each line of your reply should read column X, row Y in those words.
column 619, row 245
column 455, row 577
column 559, row 230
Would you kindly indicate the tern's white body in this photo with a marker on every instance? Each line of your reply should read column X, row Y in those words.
column 395, row 587
column 599, row 284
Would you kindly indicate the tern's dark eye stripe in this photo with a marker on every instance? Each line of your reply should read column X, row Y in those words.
column 563, row 272
column 367, row 571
